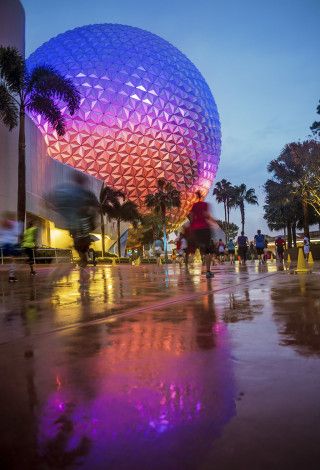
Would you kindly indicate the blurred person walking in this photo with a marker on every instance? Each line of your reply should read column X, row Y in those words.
column 9, row 235
column 200, row 226
column 79, row 207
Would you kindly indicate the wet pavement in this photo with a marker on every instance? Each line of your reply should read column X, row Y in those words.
column 147, row 367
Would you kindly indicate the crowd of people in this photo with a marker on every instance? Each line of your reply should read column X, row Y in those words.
column 79, row 209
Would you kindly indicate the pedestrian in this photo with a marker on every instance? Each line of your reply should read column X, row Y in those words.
column 201, row 221
column 28, row 243
column 9, row 234
column 259, row 240
column 242, row 247
column 306, row 246
column 191, row 249
column 221, row 250
column 231, row 250
column 252, row 251
column 79, row 207
column 158, row 248
column 280, row 246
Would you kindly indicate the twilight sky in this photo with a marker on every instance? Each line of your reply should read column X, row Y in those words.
column 260, row 59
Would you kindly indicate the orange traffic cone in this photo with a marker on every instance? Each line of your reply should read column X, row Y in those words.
column 301, row 266
column 310, row 258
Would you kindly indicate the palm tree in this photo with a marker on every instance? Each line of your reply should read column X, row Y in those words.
column 243, row 195
column 108, row 198
column 295, row 167
column 166, row 198
column 221, row 192
column 42, row 91
column 126, row 211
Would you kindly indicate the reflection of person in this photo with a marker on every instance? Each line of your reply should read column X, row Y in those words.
column 9, row 233
column 29, row 243
column 79, row 208
column 306, row 246
column 200, row 226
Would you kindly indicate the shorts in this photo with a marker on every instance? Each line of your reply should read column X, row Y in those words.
column 242, row 251
column 260, row 251
column 280, row 250
column 231, row 252
column 201, row 239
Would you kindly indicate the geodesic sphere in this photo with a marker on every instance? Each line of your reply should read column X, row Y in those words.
column 146, row 112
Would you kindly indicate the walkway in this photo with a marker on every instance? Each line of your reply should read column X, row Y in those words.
column 154, row 367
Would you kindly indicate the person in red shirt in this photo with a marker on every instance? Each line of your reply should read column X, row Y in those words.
column 200, row 227
column 280, row 246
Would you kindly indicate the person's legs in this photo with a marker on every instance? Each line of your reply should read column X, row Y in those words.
column 29, row 253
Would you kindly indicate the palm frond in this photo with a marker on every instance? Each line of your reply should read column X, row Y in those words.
column 44, row 106
column 8, row 108
column 12, row 68
column 46, row 81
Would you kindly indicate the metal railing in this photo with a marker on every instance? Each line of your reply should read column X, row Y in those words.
column 42, row 255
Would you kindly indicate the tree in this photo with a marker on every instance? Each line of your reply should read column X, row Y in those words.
column 224, row 193
column 316, row 125
column 124, row 211
column 297, row 168
column 166, row 198
column 228, row 228
column 243, row 195
column 108, row 198
column 42, row 91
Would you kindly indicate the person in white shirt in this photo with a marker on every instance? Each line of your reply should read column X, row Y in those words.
column 306, row 246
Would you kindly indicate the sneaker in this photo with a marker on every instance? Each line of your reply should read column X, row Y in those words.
column 209, row 274
column 12, row 279
column 33, row 273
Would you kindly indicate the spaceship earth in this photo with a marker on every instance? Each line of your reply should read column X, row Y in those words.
column 146, row 112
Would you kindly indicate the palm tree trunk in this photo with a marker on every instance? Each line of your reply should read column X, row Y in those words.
column 242, row 216
column 305, row 218
column 289, row 235
column 119, row 246
column 225, row 220
column 103, row 235
column 21, row 206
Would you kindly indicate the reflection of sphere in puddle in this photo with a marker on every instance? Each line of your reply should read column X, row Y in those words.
column 156, row 398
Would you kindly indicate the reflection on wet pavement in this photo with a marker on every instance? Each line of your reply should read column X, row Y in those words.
column 156, row 367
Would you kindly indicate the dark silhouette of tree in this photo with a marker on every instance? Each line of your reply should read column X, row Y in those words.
column 108, row 199
column 166, row 198
column 43, row 91
column 243, row 196
column 316, row 125
column 298, row 167
column 124, row 211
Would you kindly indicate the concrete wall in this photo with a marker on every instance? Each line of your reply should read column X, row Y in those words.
column 12, row 33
